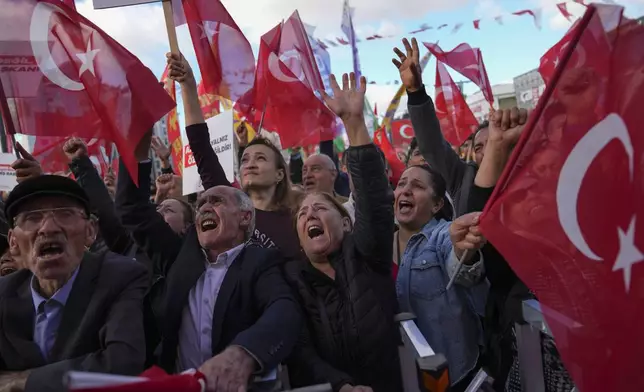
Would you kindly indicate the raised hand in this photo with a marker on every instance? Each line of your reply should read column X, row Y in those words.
column 110, row 182
column 409, row 65
column 75, row 148
column 506, row 126
column 26, row 167
column 165, row 183
column 160, row 149
column 180, row 69
column 242, row 134
column 348, row 104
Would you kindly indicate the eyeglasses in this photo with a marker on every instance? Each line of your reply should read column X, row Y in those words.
column 32, row 220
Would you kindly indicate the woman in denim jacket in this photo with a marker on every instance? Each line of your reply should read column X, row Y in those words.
column 430, row 249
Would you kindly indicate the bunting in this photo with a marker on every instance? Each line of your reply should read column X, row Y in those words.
column 536, row 14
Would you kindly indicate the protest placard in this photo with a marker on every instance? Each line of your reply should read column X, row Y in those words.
column 7, row 174
column 222, row 139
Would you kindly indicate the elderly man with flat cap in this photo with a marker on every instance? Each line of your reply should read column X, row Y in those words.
column 68, row 309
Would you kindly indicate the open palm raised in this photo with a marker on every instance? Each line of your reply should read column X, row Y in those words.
column 347, row 102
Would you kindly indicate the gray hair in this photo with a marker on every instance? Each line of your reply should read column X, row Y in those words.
column 245, row 204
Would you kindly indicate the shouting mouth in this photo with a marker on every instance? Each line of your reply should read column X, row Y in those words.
column 315, row 231
column 208, row 224
column 50, row 250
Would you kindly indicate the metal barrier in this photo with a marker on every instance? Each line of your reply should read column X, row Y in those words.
column 528, row 336
column 423, row 370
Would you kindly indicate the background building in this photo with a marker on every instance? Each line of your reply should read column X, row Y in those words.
column 504, row 98
column 528, row 88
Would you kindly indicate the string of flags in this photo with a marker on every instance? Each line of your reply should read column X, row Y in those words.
column 535, row 13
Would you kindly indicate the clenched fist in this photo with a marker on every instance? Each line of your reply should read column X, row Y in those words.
column 27, row 166
column 75, row 148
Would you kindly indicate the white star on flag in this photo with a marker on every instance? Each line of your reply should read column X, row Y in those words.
column 87, row 59
column 628, row 253
column 208, row 29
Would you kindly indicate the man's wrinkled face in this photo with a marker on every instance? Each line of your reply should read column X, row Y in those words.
column 50, row 236
column 318, row 174
column 220, row 222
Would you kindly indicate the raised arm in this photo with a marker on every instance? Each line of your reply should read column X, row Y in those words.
column 116, row 237
column 139, row 216
column 374, row 224
column 208, row 166
column 431, row 143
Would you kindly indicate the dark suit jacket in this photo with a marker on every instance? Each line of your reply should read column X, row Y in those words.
column 101, row 329
column 255, row 307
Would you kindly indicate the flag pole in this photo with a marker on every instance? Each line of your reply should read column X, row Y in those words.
column 8, row 120
column 169, row 24
column 261, row 120
column 458, row 269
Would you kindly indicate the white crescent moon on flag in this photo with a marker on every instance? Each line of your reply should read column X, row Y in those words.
column 574, row 170
column 404, row 133
column 276, row 71
column 39, row 37
column 294, row 54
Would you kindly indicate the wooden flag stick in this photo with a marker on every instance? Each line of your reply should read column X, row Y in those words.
column 169, row 25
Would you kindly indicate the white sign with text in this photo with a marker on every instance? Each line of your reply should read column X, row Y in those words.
column 222, row 136
column 7, row 174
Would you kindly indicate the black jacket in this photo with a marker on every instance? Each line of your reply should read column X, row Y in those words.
column 101, row 329
column 350, row 335
column 458, row 174
column 113, row 236
column 255, row 307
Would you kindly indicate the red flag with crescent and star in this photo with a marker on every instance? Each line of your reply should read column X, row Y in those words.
column 224, row 54
column 567, row 212
column 286, row 80
column 397, row 166
column 454, row 114
column 402, row 132
column 468, row 62
column 72, row 79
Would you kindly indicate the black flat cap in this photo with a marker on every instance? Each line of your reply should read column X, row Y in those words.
column 45, row 185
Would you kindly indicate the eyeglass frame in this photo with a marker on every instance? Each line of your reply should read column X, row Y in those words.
column 78, row 212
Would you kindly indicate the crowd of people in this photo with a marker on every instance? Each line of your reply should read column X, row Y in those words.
column 302, row 263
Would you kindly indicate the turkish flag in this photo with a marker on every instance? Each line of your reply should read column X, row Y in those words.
column 468, row 62
column 286, row 78
column 397, row 166
column 154, row 380
column 71, row 78
column 49, row 153
column 567, row 212
column 454, row 115
column 224, row 54
column 552, row 57
column 70, row 3
column 402, row 132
